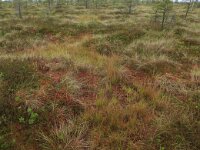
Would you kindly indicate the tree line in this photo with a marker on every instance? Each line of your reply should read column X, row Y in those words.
column 163, row 8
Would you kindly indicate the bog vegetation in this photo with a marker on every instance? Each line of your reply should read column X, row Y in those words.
column 99, row 74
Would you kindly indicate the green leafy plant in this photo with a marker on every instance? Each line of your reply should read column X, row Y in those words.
column 21, row 120
column 33, row 116
column 1, row 75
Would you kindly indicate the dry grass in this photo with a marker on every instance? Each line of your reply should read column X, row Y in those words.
column 65, row 136
column 107, row 79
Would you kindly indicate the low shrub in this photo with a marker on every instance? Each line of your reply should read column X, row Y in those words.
column 15, row 75
column 116, row 42
column 159, row 67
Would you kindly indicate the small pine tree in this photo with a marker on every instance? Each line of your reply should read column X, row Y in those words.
column 163, row 9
